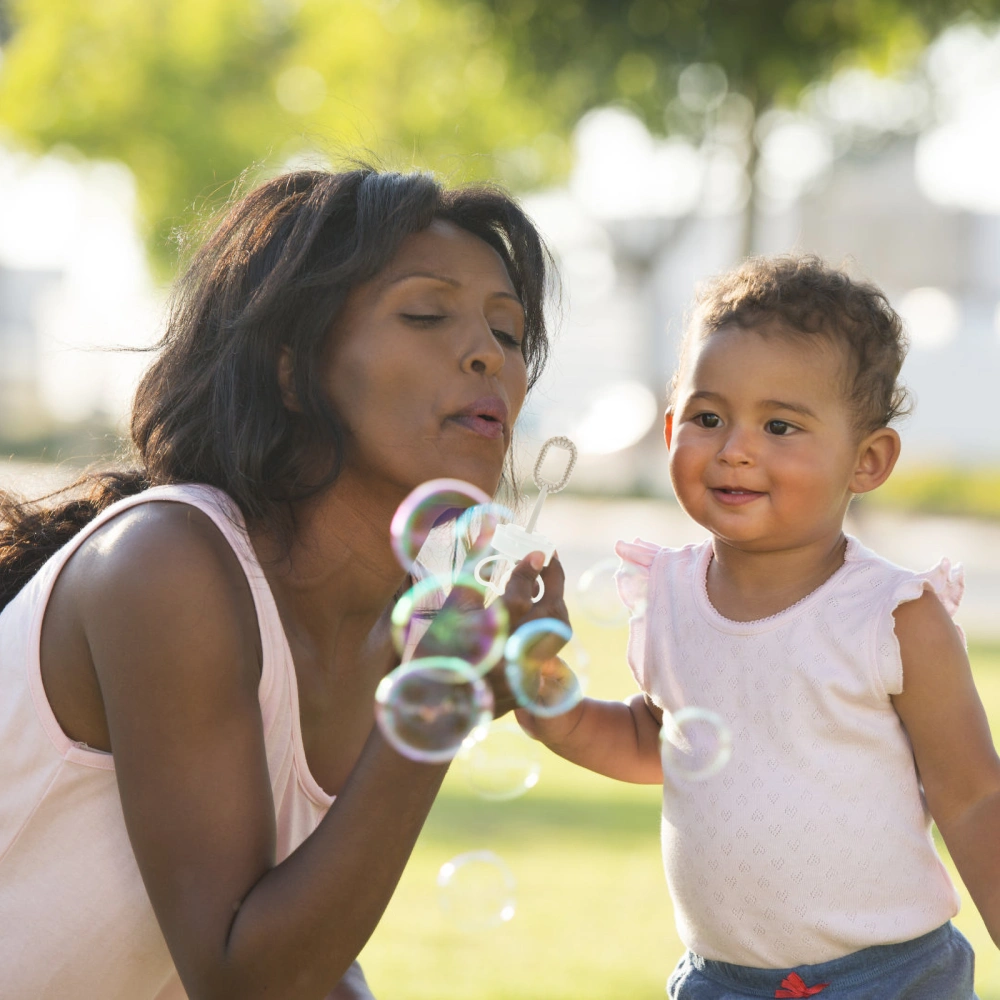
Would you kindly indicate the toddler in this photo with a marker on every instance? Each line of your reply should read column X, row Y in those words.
column 806, row 865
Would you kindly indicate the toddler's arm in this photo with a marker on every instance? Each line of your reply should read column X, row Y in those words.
column 955, row 756
column 617, row 739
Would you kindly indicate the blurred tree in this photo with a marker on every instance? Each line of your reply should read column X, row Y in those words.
column 190, row 94
column 671, row 61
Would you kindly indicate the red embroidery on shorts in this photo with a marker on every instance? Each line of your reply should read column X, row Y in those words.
column 793, row 986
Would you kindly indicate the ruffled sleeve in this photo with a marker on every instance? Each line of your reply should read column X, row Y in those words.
column 633, row 582
column 632, row 578
column 947, row 582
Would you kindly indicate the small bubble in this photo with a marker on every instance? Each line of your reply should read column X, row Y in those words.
column 431, row 509
column 476, row 891
column 610, row 592
column 446, row 617
column 695, row 743
column 427, row 708
column 504, row 764
column 547, row 671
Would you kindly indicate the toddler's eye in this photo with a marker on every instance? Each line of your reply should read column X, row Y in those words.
column 708, row 420
column 778, row 427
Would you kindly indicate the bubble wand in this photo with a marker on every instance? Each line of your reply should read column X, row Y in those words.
column 512, row 542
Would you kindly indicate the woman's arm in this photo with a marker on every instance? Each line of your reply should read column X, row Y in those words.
column 173, row 636
column 618, row 739
column 953, row 748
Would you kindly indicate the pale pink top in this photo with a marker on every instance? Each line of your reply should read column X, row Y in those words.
column 814, row 840
column 75, row 920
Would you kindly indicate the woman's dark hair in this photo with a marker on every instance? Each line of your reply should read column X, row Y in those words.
column 272, row 278
column 801, row 297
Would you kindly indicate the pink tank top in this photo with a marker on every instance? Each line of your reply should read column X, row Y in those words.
column 75, row 920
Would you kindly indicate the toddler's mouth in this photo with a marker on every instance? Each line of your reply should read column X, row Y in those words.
column 733, row 496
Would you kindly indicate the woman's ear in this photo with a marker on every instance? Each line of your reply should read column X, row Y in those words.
column 286, row 379
column 877, row 454
column 668, row 426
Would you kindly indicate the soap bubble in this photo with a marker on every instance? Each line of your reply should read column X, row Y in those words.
column 502, row 765
column 447, row 617
column 476, row 890
column 431, row 510
column 474, row 533
column 546, row 671
column 598, row 591
column 597, row 595
column 428, row 707
column 695, row 743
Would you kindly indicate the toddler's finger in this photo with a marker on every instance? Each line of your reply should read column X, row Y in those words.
column 522, row 586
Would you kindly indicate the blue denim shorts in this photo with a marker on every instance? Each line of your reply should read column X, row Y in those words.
column 937, row 966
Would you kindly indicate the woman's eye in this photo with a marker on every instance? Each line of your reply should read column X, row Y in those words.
column 422, row 319
column 778, row 427
column 708, row 420
column 507, row 338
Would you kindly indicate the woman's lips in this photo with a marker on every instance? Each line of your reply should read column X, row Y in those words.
column 735, row 497
column 484, row 426
column 486, row 416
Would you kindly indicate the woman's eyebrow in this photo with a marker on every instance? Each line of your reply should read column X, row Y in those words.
column 447, row 280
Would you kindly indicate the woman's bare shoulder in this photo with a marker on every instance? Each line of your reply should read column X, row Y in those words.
column 161, row 551
column 161, row 566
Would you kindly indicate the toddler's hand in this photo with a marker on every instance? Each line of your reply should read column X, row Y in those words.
column 523, row 583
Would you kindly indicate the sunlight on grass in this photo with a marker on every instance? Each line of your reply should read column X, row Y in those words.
column 593, row 917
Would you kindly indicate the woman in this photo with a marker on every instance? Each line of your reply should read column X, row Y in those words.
column 195, row 797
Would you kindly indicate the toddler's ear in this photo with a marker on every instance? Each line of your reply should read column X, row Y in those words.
column 877, row 456
column 668, row 426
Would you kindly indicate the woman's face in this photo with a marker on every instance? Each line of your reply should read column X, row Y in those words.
column 427, row 369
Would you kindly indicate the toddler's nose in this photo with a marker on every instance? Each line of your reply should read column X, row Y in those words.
column 737, row 448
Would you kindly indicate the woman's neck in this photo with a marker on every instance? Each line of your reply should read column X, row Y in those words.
column 338, row 575
column 748, row 586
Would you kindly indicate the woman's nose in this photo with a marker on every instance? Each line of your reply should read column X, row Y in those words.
column 482, row 353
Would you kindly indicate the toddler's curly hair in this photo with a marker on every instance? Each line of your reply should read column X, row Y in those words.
column 799, row 296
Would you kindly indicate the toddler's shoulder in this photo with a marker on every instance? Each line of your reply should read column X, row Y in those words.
column 891, row 585
column 882, row 588
column 642, row 555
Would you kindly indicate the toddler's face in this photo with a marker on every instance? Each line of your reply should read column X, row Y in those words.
column 762, row 447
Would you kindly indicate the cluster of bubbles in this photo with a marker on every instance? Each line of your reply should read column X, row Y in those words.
column 449, row 636
column 437, row 705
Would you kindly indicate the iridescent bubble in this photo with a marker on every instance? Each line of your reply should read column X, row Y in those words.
column 612, row 591
column 428, row 707
column 447, row 617
column 695, row 743
column 597, row 595
column 477, row 890
column 546, row 671
column 474, row 533
column 502, row 765
column 432, row 506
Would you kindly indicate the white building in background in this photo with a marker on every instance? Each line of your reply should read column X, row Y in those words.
column 639, row 224
column 20, row 401
column 629, row 283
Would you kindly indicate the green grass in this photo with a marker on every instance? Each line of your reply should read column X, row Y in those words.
column 973, row 492
column 593, row 918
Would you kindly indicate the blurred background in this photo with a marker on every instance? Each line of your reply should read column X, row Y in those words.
column 655, row 142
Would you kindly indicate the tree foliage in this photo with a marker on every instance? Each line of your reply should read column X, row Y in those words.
column 190, row 94
column 583, row 53
column 193, row 94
